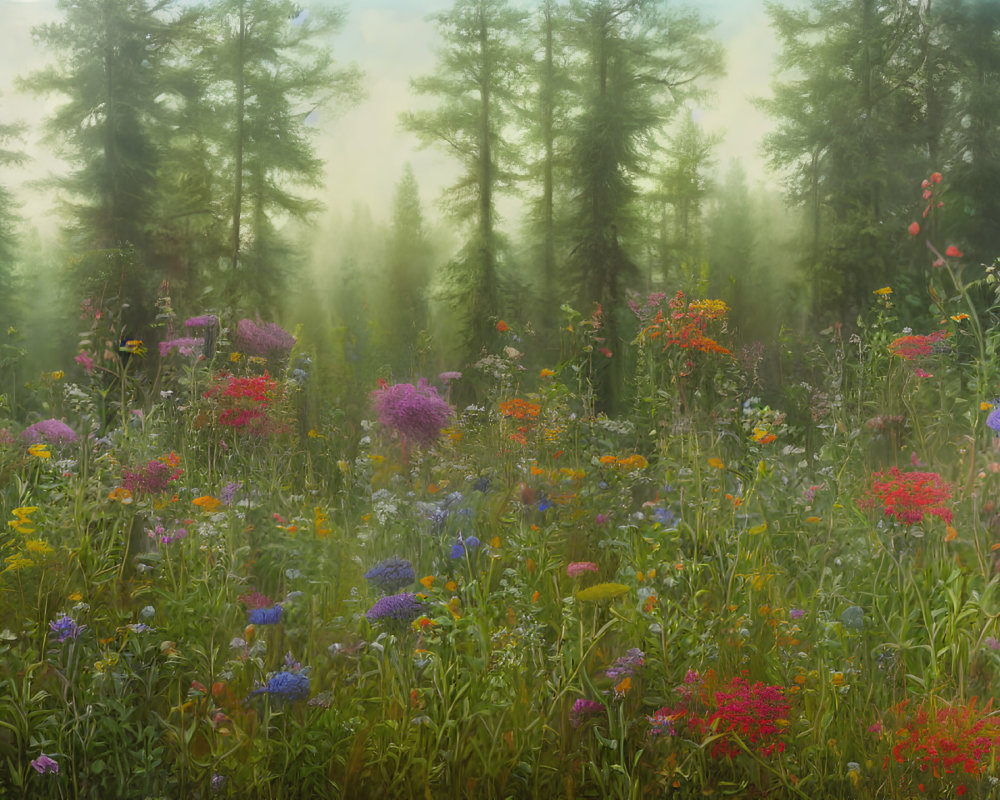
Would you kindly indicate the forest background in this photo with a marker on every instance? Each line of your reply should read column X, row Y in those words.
column 397, row 178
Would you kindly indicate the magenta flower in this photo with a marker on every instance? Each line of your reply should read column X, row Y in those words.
column 267, row 339
column 416, row 412
column 51, row 431
column 204, row 321
column 86, row 361
column 185, row 345
column 584, row 709
column 44, row 764
column 578, row 568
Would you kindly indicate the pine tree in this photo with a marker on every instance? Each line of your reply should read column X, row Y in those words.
column 475, row 87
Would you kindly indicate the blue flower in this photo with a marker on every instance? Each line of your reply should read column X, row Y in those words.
column 391, row 575
column 462, row 546
column 265, row 616
column 66, row 628
column 286, row 687
column 403, row 607
column 993, row 420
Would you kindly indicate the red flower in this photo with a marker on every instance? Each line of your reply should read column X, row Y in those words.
column 953, row 252
column 914, row 228
column 502, row 326
column 908, row 496
column 936, row 177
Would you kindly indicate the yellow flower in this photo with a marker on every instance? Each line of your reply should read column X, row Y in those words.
column 256, row 360
column 601, row 591
column 58, row 375
column 812, row 519
column 40, row 451
column 321, row 519
column 18, row 561
column 75, row 597
column 718, row 463
column 959, row 317
column 234, row 357
column 622, row 688
column 883, row 290
column 342, row 465
column 38, row 548
column 984, row 406
column 315, row 434
column 837, row 679
column 451, row 586
column 547, row 373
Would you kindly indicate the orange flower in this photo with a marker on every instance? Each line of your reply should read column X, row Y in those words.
column 718, row 463
column 121, row 494
column 451, row 586
column 622, row 688
column 503, row 327
column 207, row 502
column 427, row 581
column 950, row 533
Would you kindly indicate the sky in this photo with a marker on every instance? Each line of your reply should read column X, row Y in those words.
column 364, row 148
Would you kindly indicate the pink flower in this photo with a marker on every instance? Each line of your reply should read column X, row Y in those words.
column 85, row 360
column 922, row 374
column 914, row 228
column 578, row 568
column 605, row 352
column 936, row 177
column 44, row 764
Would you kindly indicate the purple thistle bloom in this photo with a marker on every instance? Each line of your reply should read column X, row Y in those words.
column 265, row 616
column 626, row 666
column 268, row 339
column 582, row 709
column 66, row 628
column 797, row 613
column 185, row 345
column 416, row 412
column 401, row 608
column 204, row 321
column 391, row 575
column 44, row 764
column 993, row 420
column 229, row 492
column 52, row 431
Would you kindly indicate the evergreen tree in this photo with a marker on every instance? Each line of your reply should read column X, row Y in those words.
column 850, row 136
column 9, row 220
column 272, row 71
column 638, row 61
column 475, row 86
column 110, row 56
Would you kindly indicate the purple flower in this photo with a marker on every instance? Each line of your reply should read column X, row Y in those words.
column 992, row 643
column 265, row 616
column 44, row 764
column 416, row 412
column 627, row 665
column 268, row 339
column 204, row 321
column 403, row 607
column 66, row 628
column 582, row 709
column 797, row 613
column 185, row 345
column 229, row 492
column 391, row 575
column 993, row 420
column 52, row 431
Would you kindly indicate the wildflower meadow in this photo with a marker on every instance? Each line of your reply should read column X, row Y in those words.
column 221, row 578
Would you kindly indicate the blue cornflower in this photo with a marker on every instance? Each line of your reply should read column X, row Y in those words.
column 993, row 420
column 462, row 546
column 391, row 575
column 403, row 607
column 545, row 504
column 265, row 616
column 66, row 628
column 286, row 687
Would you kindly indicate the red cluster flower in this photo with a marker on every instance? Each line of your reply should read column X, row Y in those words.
column 243, row 402
column 755, row 714
column 908, row 496
column 948, row 740
column 917, row 346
